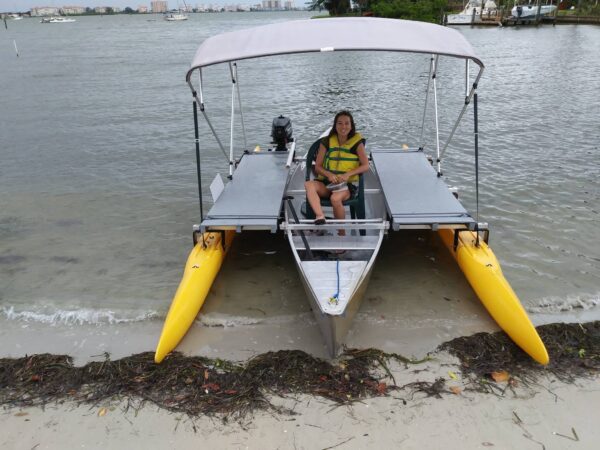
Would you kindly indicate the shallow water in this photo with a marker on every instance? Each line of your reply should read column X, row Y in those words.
column 98, row 189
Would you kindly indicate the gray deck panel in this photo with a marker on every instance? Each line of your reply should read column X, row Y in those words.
column 253, row 197
column 413, row 192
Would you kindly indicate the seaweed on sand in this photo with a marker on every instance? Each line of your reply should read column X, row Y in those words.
column 192, row 385
column 574, row 351
column 202, row 386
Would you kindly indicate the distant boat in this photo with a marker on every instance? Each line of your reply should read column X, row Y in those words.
column 176, row 17
column 15, row 17
column 57, row 20
column 530, row 11
column 472, row 7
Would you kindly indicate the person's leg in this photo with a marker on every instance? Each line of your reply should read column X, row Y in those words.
column 339, row 212
column 315, row 190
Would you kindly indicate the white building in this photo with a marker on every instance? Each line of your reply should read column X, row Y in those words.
column 272, row 5
column 66, row 10
column 142, row 9
column 100, row 9
column 45, row 11
column 159, row 6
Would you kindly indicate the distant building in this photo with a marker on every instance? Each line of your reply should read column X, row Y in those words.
column 45, row 11
column 142, row 9
column 100, row 9
column 159, row 6
column 272, row 5
column 66, row 10
column 116, row 9
column 289, row 5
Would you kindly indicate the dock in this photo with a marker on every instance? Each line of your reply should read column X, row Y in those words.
column 502, row 17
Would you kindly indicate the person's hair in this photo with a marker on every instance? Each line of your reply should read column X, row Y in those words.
column 337, row 116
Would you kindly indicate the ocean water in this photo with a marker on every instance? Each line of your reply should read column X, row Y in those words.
column 97, row 168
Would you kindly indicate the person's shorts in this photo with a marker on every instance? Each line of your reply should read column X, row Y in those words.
column 351, row 187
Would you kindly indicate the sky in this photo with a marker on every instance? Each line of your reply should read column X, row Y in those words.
column 26, row 5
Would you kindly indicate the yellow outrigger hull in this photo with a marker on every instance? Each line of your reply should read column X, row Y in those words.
column 201, row 269
column 482, row 270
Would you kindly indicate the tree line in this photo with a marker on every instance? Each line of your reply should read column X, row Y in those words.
column 423, row 10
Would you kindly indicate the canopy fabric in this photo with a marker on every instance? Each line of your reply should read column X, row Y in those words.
column 335, row 34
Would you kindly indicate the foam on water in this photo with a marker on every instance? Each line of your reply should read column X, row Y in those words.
column 82, row 316
column 570, row 303
column 227, row 320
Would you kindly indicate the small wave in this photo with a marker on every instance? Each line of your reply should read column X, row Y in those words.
column 225, row 320
column 570, row 303
column 84, row 316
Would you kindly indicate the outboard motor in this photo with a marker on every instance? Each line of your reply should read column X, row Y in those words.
column 281, row 132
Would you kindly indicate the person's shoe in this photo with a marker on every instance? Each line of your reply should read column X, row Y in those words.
column 320, row 221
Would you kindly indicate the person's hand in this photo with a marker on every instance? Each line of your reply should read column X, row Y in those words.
column 343, row 178
column 332, row 178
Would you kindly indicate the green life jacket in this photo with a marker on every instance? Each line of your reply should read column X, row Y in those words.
column 340, row 159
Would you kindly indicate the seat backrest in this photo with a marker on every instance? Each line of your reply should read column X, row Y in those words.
column 311, row 155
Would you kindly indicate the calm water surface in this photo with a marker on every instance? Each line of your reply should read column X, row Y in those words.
column 97, row 174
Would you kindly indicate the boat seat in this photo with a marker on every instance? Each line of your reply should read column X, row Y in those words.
column 316, row 242
column 355, row 203
column 415, row 196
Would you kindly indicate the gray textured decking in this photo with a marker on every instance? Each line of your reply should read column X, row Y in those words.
column 415, row 196
column 252, row 199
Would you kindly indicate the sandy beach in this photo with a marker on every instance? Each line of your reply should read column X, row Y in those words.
column 548, row 415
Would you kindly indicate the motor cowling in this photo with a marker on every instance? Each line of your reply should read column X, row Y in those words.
column 281, row 132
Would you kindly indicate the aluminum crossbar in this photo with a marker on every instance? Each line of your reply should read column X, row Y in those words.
column 334, row 226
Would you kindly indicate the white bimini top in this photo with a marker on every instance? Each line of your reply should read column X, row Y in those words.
column 335, row 34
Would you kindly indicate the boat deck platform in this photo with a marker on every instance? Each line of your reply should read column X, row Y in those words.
column 415, row 196
column 252, row 199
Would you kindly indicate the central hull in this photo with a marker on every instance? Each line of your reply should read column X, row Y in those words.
column 334, row 328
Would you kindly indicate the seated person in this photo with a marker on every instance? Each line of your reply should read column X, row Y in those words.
column 340, row 159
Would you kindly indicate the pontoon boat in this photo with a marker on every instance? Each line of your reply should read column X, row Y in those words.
column 404, row 188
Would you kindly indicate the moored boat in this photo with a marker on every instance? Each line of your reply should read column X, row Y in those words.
column 403, row 189
column 530, row 11
column 473, row 13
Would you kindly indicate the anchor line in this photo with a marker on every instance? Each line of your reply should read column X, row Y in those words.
column 336, row 297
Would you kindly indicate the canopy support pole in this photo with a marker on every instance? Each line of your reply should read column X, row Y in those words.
column 462, row 111
column 437, row 125
column 421, row 143
column 476, row 134
column 466, row 78
column 198, row 170
column 200, row 102
column 237, row 83
column 232, row 123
